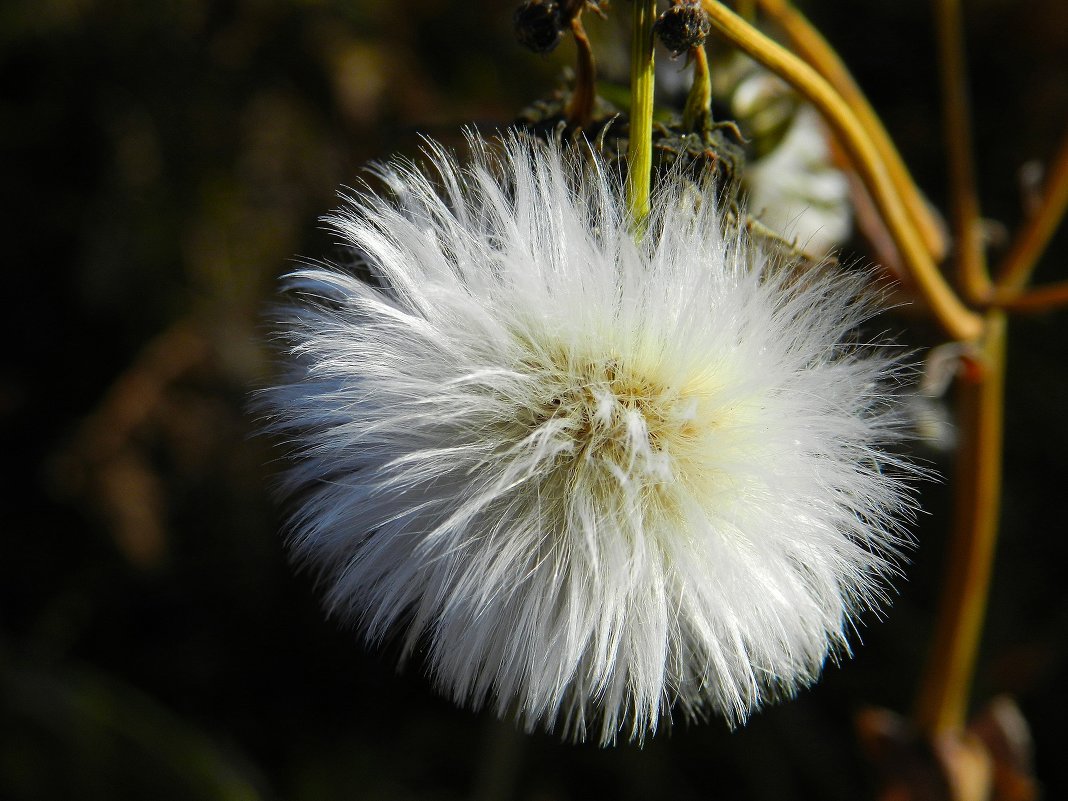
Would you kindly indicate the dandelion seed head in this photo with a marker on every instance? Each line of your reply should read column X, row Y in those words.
column 587, row 479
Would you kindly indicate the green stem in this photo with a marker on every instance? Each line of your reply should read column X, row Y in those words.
column 640, row 153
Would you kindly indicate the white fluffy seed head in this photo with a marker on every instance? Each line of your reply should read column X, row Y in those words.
column 588, row 479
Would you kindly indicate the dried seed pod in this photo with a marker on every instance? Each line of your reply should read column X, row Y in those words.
column 683, row 26
column 539, row 25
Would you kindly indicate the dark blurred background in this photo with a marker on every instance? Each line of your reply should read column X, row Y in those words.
column 163, row 163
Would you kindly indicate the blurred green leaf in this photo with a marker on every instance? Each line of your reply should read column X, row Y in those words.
column 104, row 739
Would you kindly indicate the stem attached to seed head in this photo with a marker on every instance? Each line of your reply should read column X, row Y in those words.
column 640, row 152
column 697, row 116
column 580, row 107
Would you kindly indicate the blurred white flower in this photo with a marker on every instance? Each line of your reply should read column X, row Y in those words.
column 796, row 190
column 589, row 479
column 794, row 187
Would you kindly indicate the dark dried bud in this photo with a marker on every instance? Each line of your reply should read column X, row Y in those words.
column 539, row 25
column 683, row 26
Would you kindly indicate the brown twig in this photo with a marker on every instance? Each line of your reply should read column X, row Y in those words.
column 104, row 463
column 579, row 110
column 1027, row 248
column 697, row 115
column 1032, row 301
column 972, row 275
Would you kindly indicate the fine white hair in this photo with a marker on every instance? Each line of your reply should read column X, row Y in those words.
column 587, row 477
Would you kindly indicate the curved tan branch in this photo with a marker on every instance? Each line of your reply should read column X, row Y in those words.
column 958, row 321
column 808, row 43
